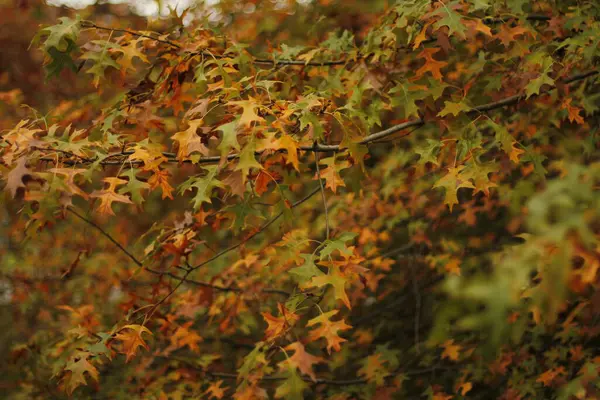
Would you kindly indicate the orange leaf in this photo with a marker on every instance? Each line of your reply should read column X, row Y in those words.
column 547, row 377
column 453, row 266
column 328, row 330
column 291, row 147
column 431, row 64
column 301, row 360
column 572, row 111
column 131, row 336
column 422, row 36
column 108, row 196
column 465, row 388
column 372, row 367
column 278, row 325
column 333, row 180
column 215, row 390
column 183, row 336
column 160, row 179
column 451, row 350
column 262, row 182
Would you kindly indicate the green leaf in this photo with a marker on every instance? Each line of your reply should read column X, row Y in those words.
column 451, row 19
column 134, row 186
column 60, row 60
column 204, row 186
column 453, row 108
column 242, row 211
column 307, row 270
column 229, row 138
column 338, row 244
column 253, row 360
column 61, row 35
column 428, row 152
column 247, row 160
column 292, row 387
column 406, row 97
column 101, row 60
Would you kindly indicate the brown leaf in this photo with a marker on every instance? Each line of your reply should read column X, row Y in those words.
column 14, row 179
column 301, row 360
column 131, row 336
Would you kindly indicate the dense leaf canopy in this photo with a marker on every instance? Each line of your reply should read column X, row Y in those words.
column 321, row 199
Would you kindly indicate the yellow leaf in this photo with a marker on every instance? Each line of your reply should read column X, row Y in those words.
column 451, row 350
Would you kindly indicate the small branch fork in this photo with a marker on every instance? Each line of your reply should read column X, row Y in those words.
column 184, row 278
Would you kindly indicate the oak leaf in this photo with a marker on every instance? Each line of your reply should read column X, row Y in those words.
column 160, row 179
column 78, row 367
column 451, row 350
column 184, row 336
column 548, row 376
column 14, row 179
column 328, row 329
column 215, row 390
column 291, row 147
column 131, row 338
column 70, row 174
column 331, row 174
column 451, row 182
column 431, row 65
column 373, row 369
column 572, row 111
column 108, row 196
column 189, row 141
column 292, row 387
column 302, row 360
column 278, row 325
column 336, row 279
column 249, row 114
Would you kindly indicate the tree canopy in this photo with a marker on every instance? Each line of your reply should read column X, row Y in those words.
column 330, row 199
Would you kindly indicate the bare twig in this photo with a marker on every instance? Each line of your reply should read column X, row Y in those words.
column 89, row 24
column 260, row 230
column 415, row 286
column 322, row 194
column 213, row 286
column 103, row 232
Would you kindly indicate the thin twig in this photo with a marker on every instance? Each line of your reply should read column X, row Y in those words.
column 322, row 194
column 213, row 286
column 318, row 381
column 161, row 301
column 415, row 286
column 260, row 230
column 170, row 274
column 89, row 24
column 99, row 228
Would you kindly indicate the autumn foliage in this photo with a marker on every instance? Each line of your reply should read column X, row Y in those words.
column 319, row 199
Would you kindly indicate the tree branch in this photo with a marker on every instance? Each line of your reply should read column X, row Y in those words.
column 260, row 230
column 508, row 101
column 103, row 232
